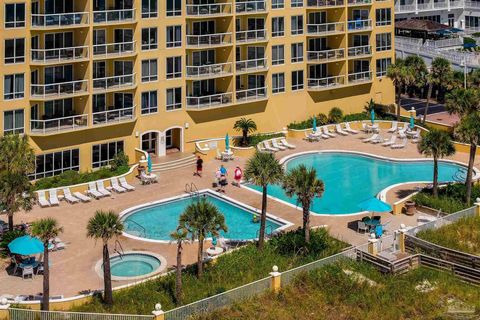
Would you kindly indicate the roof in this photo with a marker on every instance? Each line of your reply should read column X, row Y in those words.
column 421, row 25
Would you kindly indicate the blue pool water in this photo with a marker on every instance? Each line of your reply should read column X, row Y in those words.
column 351, row 178
column 159, row 221
column 133, row 265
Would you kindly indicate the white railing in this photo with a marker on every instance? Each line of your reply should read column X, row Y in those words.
column 251, row 35
column 114, row 49
column 60, row 54
column 59, row 88
column 251, row 94
column 59, row 19
column 209, row 39
column 250, row 6
column 359, row 24
column 326, row 55
column 404, row 8
column 205, row 102
column 113, row 116
column 251, row 65
column 27, row 314
column 359, row 2
column 457, row 4
column 209, row 69
column 360, row 76
column 442, row 221
column 325, row 3
column 408, row 41
column 325, row 83
column 121, row 81
column 452, row 42
column 472, row 4
column 359, row 51
column 59, row 124
column 112, row 16
column 209, row 9
column 326, row 28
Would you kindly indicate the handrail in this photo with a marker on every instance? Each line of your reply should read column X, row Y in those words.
column 59, row 54
column 359, row 24
column 113, row 116
column 326, row 55
column 251, row 94
column 359, row 76
column 209, row 69
column 205, row 102
column 324, row 28
column 139, row 225
column 209, row 39
column 359, row 51
column 59, row 88
column 125, row 80
column 251, row 35
column 120, row 253
column 252, row 64
column 250, row 6
column 114, row 49
column 40, row 20
column 359, row 2
column 324, row 3
column 59, row 124
column 116, row 15
column 208, row 9
column 321, row 83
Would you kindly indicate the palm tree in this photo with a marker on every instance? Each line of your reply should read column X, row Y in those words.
column 303, row 184
column 16, row 193
column 441, row 76
column 179, row 236
column 436, row 144
column 46, row 229
column 263, row 169
column 246, row 126
column 463, row 101
column 419, row 69
column 200, row 219
column 401, row 77
column 16, row 155
column 105, row 225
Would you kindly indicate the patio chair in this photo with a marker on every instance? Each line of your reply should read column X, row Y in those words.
column 27, row 271
column 276, row 145
column 394, row 127
column 416, row 137
column 92, row 190
column 399, row 145
column 339, row 129
column 373, row 137
column 125, row 184
column 378, row 139
column 53, row 197
column 284, row 142
column 15, row 263
column 268, row 147
column 261, row 148
column 102, row 190
column 327, row 132
column 82, row 197
column 42, row 200
column 361, row 226
column 349, row 129
column 386, row 226
column 219, row 155
column 309, row 137
column 69, row 197
column 392, row 140
column 116, row 187
column 364, row 127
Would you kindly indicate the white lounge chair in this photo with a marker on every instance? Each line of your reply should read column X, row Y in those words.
column 416, row 137
column 284, row 142
column 92, row 190
column 378, row 139
column 101, row 188
column 116, row 187
column 394, row 127
column 392, row 140
column 219, row 155
column 349, row 129
column 373, row 137
column 125, row 184
column 400, row 145
column 148, row 178
column 364, row 127
column 268, row 147
column 53, row 197
column 82, row 197
column 328, row 133
column 42, row 200
column 261, row 148
column 276, row 145
column 69, row 197
column 339, row 129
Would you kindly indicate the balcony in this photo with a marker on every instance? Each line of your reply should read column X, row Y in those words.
column 405, row 8
column 114, row 116
column 114, row 16
column 250, row 7
column 250, row 95
column 326, row 28
column 209, row 70
column 327, row 83
column 250, row 36
column 209, row 101
column 359, row 51
column 326, row 55
column 352, row 3
column 52, row 56
column 325, row 3
column 59, row 20
column 359, row 25
column 58, row 125
column 116, row 82
column 209, row 10
column 59, row 89
column 251, row 65
column 208, row 40
column 114, row 50
column 359, row 77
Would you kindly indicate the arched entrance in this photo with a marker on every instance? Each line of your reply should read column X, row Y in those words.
column 173, row 140
column 150, row 142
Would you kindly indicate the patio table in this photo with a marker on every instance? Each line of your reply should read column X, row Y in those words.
column 372, row 223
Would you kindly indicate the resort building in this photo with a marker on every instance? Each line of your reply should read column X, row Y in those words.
column 87, row 78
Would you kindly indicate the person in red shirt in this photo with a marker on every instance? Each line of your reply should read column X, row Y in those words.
column 237, row 176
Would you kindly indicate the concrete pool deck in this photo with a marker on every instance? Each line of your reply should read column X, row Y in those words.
column 72, row 269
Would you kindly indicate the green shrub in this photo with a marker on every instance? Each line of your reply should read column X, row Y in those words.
column 255, row 139
column 119, row 160
column 468, row 40
column 450, row 199
column 322, row 119
column 335, row 115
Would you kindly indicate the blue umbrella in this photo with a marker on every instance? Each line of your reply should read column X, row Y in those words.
column 149, row 163
column 314, row 125
column 412, row 122
column 26, row 246
column 227, row 142
column 374, row 205
column 372, row 115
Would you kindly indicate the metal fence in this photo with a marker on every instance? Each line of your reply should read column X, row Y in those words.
column 26, row 314
column 440, row 222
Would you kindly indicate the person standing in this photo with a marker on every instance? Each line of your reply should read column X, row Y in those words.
column 199, row 167
column 237, row 176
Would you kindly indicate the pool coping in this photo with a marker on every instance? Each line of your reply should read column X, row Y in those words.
column 284, row 224
column 380, row 195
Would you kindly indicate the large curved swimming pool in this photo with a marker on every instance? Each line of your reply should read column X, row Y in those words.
column 351, row 178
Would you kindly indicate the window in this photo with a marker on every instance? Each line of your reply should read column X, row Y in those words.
column 384, row 41
column 297, row 80
column 13, row 86
column 174, row 67
column 149, row 70
column 278, row 27
column 174, row 36
column 14, row 50
column 149, row 8
column 383, row 17
column 297, row 25
column 13, row 122
column 174, row 8
column 149, row 39
column 278, row 82
column 278, row 55
column 149, row 102
column 52, row 164
column 103, row 154
column 297, row 52
column 382, row 66
column 15, row 15
column 174, row 99
column 278, row 4
column 296, row 3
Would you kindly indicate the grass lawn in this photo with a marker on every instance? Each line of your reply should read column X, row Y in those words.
column 230, row 270
column 463, row 235
column 329, row 293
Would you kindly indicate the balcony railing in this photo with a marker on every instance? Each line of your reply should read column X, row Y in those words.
column 325, row 28
column 251, row 65
column 251, row 35
column 60, row 54
column 359, row 51
column 114, row 16
column 209, row 70
column 209, row 101
column 251, row 94
column 113, row 116
column 359, row 2
column 114, row 49
column 364, row 76
column 365, row 24
column 210, row 9
column 57, row 20
column 214, row 39
column 405, row 8
column 114, row 82
column 59, row 124
column 250, row 6
column 59, row 89
column 325, row 83
column 326, row 55
column 325, row 3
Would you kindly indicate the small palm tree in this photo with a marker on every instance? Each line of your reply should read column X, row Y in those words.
column 105, row 226
column 302, row 183
column 263, row 169
column 335, row 115
column 16, row 154
column 401, row 77
column 179, row 236
column 441, row 76
column 200, row 219
column 16, row 193
column 46, row 229
column 436, row 144
column 463, row 101
column 246, row 126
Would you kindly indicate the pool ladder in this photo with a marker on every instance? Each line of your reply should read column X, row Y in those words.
column 116, row 249
column 267, row 233
column 460, row 175
column 142, row 228
column 192, row 190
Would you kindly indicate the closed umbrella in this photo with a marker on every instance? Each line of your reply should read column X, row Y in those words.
column 372, row 115
column 314, row 124
column 412, row 122
column 227, row 142
column 26, row 246
column 149, row 164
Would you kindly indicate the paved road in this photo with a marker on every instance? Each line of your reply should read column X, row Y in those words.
column 419, row 106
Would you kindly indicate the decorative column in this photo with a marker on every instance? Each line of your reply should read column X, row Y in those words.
column 373, row 246
column 4, row 305
column 158, row 312
column 276, row 279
